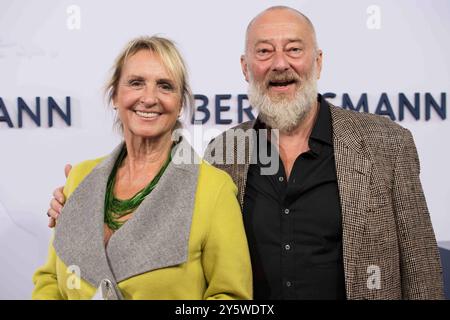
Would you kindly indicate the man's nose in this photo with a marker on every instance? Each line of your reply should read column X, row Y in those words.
column 280, row 62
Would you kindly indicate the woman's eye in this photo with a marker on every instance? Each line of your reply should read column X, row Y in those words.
column 136, row 83
column 166, row 86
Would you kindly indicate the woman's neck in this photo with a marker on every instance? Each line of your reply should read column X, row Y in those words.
column 144, row 155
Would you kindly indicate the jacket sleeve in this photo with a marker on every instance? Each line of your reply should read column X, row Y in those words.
column 421, row 272
column 225, row 258
column 45, row 280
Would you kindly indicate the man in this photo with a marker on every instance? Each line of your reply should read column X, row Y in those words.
column 344, row 216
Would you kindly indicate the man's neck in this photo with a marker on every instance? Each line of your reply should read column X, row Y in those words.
column 302, row 132
column 294, row 143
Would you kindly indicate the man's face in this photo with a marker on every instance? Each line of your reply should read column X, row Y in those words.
column 282, row 65
column 280, row 53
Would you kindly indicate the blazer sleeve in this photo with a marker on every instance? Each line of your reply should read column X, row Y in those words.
column 225, row 258
column 421, row 272
column 45, row 280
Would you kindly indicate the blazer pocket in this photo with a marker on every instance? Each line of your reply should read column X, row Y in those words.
column 380, row 196
column 380, row 190
column 380, row 224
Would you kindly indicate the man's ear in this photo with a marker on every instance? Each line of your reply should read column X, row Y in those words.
column 244, row 67
column 319, row 62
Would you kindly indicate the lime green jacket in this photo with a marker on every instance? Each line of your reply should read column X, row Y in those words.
column 185, row 241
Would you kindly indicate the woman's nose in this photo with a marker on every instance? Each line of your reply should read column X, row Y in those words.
column 149, row 97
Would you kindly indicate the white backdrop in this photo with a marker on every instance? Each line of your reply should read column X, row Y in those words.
column 59, row 48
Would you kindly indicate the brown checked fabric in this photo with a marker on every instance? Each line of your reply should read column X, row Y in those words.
column 390, row 250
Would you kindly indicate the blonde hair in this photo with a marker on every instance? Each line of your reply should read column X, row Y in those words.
column 172, row 60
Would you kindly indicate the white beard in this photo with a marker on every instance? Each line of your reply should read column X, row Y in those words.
column 283, row 113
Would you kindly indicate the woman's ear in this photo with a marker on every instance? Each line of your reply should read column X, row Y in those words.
column 113, row 101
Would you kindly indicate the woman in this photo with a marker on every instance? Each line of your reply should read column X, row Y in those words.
column 140, row 223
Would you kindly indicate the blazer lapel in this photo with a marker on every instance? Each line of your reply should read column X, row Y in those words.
column 79, row 232
column 353, row 169
column 157, row 235
column 232, row 152
column 244, row 152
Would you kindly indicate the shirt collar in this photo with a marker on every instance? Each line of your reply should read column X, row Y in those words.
column 322, row 128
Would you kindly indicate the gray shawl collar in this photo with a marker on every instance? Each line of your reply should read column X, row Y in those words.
column 155, row 237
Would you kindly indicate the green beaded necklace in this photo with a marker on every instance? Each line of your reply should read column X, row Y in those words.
column 116, row 208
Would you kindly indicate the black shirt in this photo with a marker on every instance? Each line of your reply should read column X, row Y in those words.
column 294, row 227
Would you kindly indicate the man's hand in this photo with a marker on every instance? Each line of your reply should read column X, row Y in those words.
column 57, row 202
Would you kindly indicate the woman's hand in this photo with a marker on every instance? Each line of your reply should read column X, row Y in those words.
column 57, row 202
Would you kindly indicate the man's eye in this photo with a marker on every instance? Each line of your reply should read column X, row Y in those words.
column 262, row 51
column 295, row 51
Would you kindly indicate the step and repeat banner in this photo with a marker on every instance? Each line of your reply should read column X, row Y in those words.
column 385, row 57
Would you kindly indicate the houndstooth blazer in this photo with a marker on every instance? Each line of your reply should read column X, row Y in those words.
column 389, row 246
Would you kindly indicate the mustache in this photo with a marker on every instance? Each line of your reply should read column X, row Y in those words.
column 282, row 77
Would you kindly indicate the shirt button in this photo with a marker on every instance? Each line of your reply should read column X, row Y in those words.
column 288, row 284
column 287, row 247
column 281, row 179
column 286, row 211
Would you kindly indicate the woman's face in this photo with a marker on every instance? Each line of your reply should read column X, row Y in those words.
column 147, row 98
